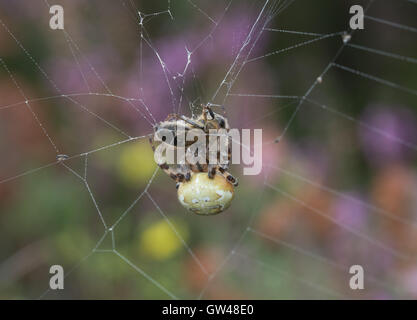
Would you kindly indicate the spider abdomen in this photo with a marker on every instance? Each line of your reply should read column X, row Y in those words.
column 205, row 196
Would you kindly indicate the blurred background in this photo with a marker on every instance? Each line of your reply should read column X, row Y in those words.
column 339, row 189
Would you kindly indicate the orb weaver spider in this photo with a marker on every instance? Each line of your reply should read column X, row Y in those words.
column 203, row 188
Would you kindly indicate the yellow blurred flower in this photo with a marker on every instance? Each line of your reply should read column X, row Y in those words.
column 136, row 163
column 159, row 240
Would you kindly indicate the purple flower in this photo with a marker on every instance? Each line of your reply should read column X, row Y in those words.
column 212, row 59
column 393, row 128
column 71, row 77
column 347, row 246
column 350, row 212
column 409, row 281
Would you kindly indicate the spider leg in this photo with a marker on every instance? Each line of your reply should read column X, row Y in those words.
column 172, row 116
column 212, row 169
column 185, row 172
column 188, row 176
column 198, row 167
column 164, row 166
column 168, row 171
column 193, row 123
column 229, row 177
column 175, row 175
column 223, row 167
column 208, row 109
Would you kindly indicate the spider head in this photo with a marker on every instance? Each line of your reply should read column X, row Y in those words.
column 213, row 120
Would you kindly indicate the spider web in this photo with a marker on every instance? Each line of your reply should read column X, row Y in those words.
column 252, row 257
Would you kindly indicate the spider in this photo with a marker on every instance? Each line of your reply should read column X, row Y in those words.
column 208, row 119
